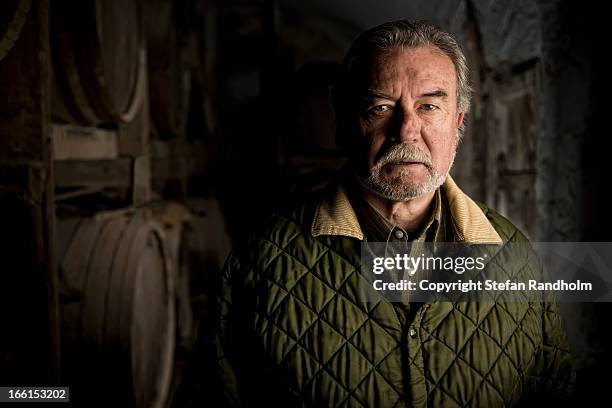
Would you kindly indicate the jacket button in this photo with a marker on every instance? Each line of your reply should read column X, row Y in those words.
column 398, row 234
column 412, row 333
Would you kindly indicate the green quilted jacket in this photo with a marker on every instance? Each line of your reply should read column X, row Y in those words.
column 292, row 330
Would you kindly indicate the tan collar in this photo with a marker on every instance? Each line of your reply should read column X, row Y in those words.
column 335, row 216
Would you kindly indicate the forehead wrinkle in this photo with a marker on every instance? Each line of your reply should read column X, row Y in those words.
column 391, row 70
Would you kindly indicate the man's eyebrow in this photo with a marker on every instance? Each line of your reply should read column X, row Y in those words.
column 438, row 93
column 374, row 93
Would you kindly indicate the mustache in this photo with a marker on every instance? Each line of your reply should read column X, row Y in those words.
column 404, row 152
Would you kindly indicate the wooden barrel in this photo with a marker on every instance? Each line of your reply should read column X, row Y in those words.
column 99, row 60
column 176, row 220
column 12, row 17
column 199, row 243
column 169, row 67
column 118, row 310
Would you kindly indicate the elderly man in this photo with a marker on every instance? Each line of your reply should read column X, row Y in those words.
column 292, row 328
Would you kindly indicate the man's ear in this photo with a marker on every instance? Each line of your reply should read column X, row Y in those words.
column 460, row 119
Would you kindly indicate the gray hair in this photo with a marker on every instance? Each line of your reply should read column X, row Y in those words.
column 402, row 33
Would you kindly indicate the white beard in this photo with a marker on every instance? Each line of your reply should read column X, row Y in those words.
column 397, row 188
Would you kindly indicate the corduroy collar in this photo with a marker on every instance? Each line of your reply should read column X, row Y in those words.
column 334, row 215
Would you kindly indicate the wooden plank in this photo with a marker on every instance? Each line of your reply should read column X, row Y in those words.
column 77, row 193
column 141, row 192
column 512, row 131
column 93, row 173
column 80, row 142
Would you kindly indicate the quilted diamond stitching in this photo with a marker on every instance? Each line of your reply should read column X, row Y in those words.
column 339, row 297
column 338, row 293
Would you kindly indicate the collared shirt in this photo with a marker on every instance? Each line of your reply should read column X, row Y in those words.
column 378, row 228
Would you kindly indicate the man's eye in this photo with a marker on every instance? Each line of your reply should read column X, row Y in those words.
column 380, row 108
column 427, row 107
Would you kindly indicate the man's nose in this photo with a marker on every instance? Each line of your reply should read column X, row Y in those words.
column 407, row 126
